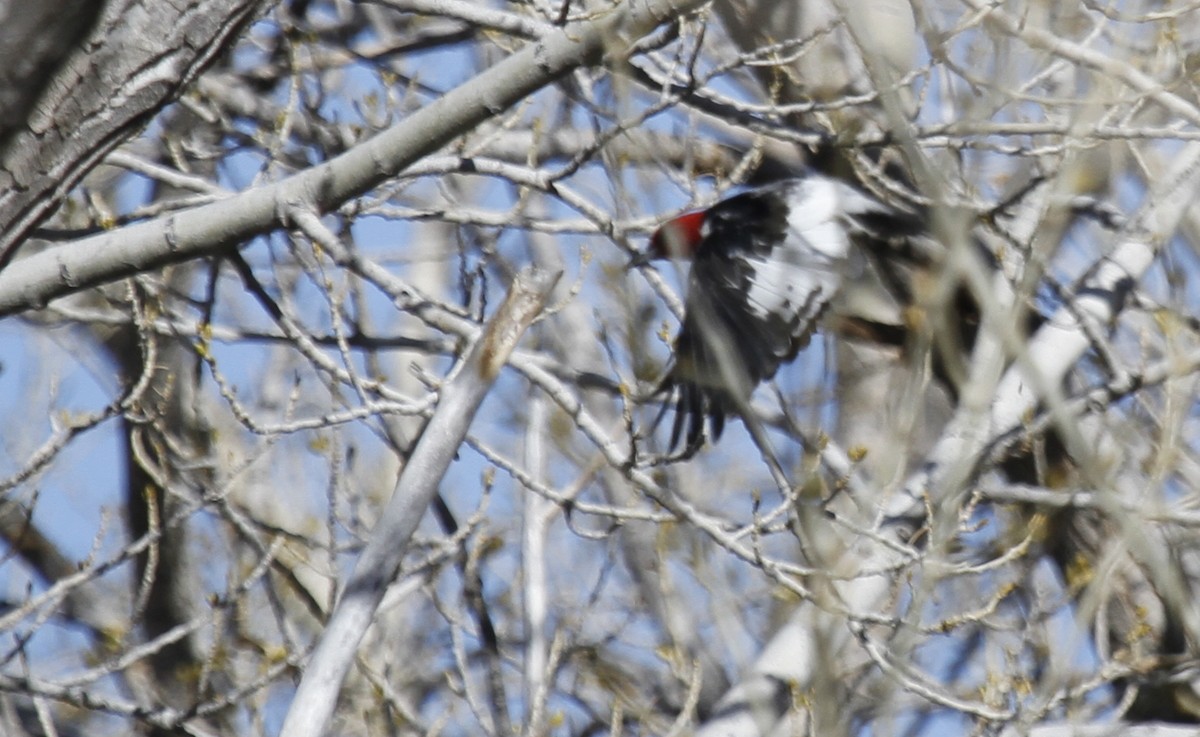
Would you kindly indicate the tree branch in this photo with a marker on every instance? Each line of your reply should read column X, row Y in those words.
column 205, row 230
column 380, row 561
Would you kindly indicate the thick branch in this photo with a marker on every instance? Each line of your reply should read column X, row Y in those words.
column 139, row 58
column 34, row 38
column 205, row 230
column 380, row 561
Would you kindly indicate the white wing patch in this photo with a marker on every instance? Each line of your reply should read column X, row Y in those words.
column 821, row 210
column 798, row 277
column 815, row 208
column 784, row 288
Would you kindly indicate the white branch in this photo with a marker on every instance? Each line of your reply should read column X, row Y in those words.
column 206, row 230
column 380, row 560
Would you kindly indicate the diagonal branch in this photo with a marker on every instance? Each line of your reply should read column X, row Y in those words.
column 377, row 566
column 207, row 229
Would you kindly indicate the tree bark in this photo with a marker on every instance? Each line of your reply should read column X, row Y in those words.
column 141, row 56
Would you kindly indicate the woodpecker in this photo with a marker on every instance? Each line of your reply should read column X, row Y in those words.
column 765, row 265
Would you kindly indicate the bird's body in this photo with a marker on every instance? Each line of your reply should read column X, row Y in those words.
column 765, row 265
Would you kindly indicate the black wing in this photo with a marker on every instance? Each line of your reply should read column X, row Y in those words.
column 751, row 305
column 770, row 263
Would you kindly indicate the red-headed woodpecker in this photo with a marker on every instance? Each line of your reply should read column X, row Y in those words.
column 765, row 265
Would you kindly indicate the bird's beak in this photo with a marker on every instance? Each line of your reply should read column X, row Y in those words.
column 642, row 258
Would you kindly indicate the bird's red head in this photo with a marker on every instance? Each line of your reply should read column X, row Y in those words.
column 678, row 237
